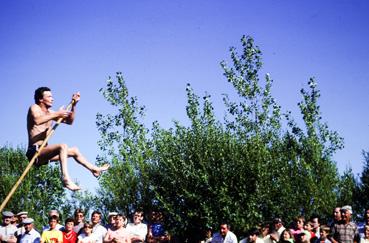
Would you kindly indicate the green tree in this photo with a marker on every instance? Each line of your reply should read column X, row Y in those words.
column 361, row 192
column 254, row 165
column 40, row 190
column 124, row 144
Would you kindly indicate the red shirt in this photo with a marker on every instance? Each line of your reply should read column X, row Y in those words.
column 70, row 237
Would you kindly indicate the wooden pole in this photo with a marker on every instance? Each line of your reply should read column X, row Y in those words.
column 10, row 194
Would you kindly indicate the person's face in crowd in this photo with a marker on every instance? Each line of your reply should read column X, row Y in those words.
column 95, row 218
column 14, row 220
column 79, row 217
column 299, row 224
column 28, row 227
column 346, row 215
column 87, row 229
column 53, row 223
column 323, row 235
column 69, row 226
column 7, row 220
column 264, row 231
column 286, row 235
column 119, row 220
column 277, row 225
column 22, row 217
column 137, row 218
column 315, row 223
column 337, row 214
column 224, row 230
column 308, row 227
column 253, row 238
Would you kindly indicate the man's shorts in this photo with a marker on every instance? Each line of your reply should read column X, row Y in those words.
column 31, row 151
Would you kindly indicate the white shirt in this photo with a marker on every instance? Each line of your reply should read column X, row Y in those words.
column 6, row 231
column 31, row 237
column 99, row 232
column 138, row 230
column 229, row 238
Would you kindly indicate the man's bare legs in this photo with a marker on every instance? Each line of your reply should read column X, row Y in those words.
column 77, row 156
column 61, row 152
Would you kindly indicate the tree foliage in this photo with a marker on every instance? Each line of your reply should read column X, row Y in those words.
column 255, row 164
column 40, row 191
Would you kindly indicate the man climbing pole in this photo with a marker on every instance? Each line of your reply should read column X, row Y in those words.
column 39, row 123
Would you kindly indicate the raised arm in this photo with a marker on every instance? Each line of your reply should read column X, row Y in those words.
column 75, row 98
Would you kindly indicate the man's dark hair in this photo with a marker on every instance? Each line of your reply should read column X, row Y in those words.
column 254, row 231
column 52, row 217
column 96, row 212
column 39, row 93
column 78, row 211
column 69, row 220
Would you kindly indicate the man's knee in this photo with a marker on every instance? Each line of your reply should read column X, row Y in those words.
column 74, row 151
column 63, row 147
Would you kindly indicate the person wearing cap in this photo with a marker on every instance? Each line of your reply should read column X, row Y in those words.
column 21, row 216
column 58, row 226
column 137, row 229
column 278, row 229
column 30, row 235
column 98, row 231
column 111, row 220
column 52, row 235
column 346, row 231
column 8, row 230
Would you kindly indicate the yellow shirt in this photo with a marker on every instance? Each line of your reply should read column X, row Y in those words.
column 52, row 236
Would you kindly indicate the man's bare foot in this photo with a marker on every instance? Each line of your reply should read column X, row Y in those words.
column 70, row 185
column 97, row 172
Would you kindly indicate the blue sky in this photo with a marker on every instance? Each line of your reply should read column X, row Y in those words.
column 160, row 46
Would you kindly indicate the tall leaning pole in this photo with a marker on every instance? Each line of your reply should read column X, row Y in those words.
column 19, row 181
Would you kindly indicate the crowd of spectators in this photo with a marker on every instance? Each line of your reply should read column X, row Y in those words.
column 77, row 229
column 119, row 229
column 340, row 229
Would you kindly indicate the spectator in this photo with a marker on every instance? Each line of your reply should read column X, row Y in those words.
column 286, row 237
column 361, row 226
column 8, row 230
column 69, row 236
column 157, row 232
column 137, row 229
column 347, row 231
column 21, row 216
column 207, row 235
column 98, row 230
column 225, row 235
column 315, row 222
column 86, row 235
column 30, row 235
column 79, row 221
column 111, row 220
column 299, row 228
column 52, row 234
column 119, row 234
column 278, row 229
column 58, row 226
column 324, row 233
column 253, row 237
column 365, row 239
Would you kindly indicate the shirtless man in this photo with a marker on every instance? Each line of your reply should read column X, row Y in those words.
column 39, row 123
